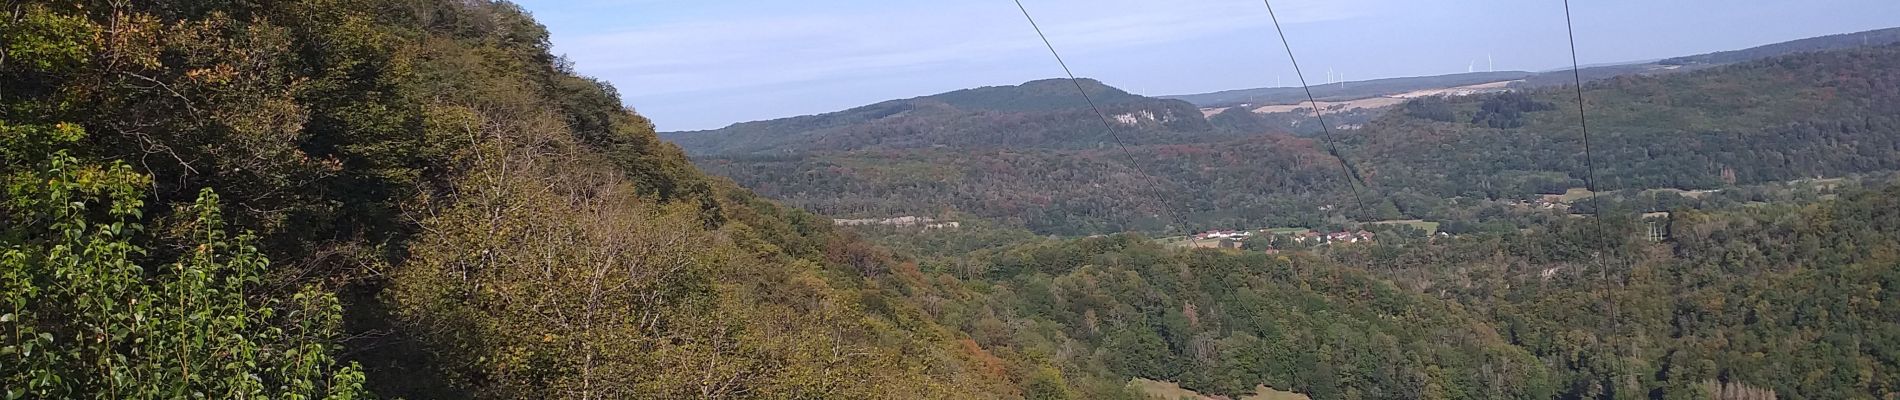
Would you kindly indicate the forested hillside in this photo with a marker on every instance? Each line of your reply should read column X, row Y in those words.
column 1105, row 310
column 1827, row 114
column 1788, row 300
column 410, row 198
column 1877, row 37
column 1804, row 116
column 1045, row 114
column 1845, row 41
column 1784, row 301
column 1067, row 192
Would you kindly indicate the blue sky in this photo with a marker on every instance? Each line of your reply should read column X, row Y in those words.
column 702, row 64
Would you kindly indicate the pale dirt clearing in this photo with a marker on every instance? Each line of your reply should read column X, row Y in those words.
column 1457, row 91
column 1375, row 102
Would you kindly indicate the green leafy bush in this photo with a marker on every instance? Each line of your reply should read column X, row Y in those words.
column 86, row 315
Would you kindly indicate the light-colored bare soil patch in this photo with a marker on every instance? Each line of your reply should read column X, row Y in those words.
column 1375, row 102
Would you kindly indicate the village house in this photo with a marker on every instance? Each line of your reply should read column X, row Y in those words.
column 1222, row 234
column 1349, row 237
column 1309, row 237
column 1316, row 238
column 904, row 221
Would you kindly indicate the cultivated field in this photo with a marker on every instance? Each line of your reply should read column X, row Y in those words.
column 1427, row 226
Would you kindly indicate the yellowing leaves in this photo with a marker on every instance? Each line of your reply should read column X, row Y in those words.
column 45, row 39
column 215, row 75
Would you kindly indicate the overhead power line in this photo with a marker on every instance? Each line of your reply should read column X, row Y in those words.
column 1596, row 200
column 1133, row 163
column 1583, row 120
column 1352, row 178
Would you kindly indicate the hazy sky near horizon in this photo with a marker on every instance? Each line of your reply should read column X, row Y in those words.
column 700, row 64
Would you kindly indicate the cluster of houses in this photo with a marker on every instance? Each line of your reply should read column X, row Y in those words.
column 1220, row 234
column 1310, row 238
column 1548, row 202
column 904, row 221
column 1315, row 238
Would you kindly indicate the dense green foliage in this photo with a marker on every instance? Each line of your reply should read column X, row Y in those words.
column 1506, row 110
column 1242, row 121
column 1792, row 299
column 1108, row 309
column 86, row 314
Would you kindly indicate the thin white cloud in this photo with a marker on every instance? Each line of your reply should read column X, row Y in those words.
column 743, row 51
